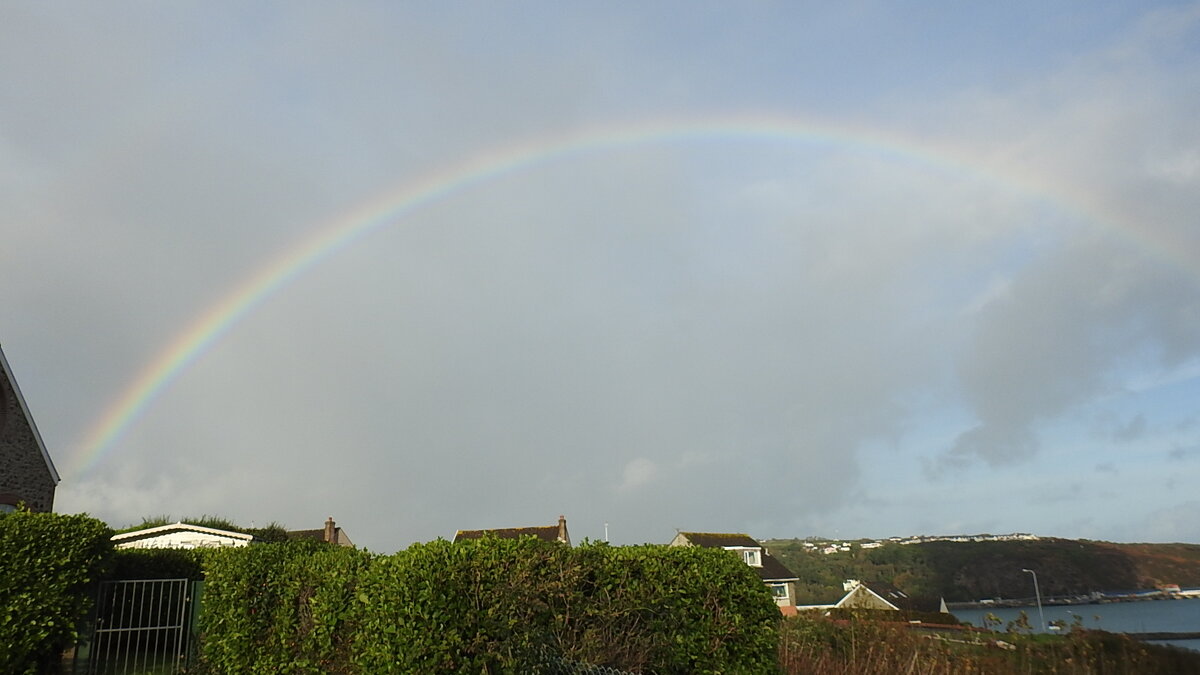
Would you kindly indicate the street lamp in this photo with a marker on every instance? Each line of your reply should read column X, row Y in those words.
column 1038, row 593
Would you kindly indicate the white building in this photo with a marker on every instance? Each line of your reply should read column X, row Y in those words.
column 181, row 535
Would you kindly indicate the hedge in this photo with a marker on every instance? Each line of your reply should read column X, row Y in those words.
column 49, row 564
column 157, row 563
column 485, row 606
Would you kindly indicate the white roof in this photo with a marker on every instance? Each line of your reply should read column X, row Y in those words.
column 12, row 381
column 179, row 527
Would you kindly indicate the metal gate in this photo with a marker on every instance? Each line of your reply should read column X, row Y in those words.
column 140, row 628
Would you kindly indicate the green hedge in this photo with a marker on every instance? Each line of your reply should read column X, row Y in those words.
column 48, row 566
column 157, row 563
column 277, row 608
column 677, row 610
column 486, row 605
column 475, row 606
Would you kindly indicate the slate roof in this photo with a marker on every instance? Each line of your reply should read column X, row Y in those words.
column 771, row 570
column 319, row 535
column 720, row 539
column 548, row 533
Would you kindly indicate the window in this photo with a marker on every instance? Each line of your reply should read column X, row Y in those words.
column 780, row 591
column 751, row 557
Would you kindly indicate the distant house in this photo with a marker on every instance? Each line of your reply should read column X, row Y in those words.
column 880, row 595
column 181, row 535
column 331, row 533
column 778, row 578
column 27, row 475
column 548, row 533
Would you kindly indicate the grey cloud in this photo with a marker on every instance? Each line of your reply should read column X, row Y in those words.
column 1059, row 337
column 696, row 334
column 1073, row 323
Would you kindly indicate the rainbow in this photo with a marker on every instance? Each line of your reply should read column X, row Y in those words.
column 392, row 205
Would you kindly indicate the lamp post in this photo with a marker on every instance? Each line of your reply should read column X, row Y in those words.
column 1037, row 592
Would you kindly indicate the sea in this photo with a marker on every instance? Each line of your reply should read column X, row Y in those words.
column 1145, row 616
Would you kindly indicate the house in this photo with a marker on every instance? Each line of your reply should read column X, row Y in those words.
column 27, row 475
column 880, row 595
column 548, row 533
column 181, row 535
column 331, row 534
column 778, row 578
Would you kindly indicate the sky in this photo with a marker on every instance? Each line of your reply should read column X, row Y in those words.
column 794, row 269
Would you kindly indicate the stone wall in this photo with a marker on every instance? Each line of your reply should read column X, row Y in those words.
column 24, row 476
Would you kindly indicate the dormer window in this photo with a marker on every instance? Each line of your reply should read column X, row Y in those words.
column 750, row 556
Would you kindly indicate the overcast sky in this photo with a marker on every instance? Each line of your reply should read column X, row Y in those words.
column 842, row 269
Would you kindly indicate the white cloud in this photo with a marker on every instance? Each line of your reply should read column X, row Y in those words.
column 638, row 473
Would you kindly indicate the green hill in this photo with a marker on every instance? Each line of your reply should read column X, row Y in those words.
column 964, row 571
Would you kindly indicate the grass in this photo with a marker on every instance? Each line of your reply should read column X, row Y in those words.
column 819, row 646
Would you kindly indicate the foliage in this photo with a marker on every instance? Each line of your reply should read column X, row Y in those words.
column 1162, row 563
column 487, row 605
column 693, row 610
column 475, row 606
column 49, row 563
column 817, row 646
column 157, row 563
column 273, row 533
column 963, row 571
column 901, row 616
column 278, row 609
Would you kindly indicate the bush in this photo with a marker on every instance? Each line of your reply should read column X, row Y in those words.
column 157, row 563
column 486, row 605
column 675, row 610
column 49, row 564
column 280, row 608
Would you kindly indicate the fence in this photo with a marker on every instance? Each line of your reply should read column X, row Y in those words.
column 140, row 628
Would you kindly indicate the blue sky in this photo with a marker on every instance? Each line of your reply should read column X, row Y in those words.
column 964, row 300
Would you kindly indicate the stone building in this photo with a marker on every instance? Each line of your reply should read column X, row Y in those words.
column 27, row 475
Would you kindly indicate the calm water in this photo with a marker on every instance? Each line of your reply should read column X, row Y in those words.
column 1150, row 616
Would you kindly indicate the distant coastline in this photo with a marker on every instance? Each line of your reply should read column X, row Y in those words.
column 1093, row 599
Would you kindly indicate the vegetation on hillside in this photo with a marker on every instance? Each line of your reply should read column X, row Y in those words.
column 965, row 571
column 817, row 646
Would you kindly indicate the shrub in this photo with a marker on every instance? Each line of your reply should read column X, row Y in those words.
column 474, row 606
column 157, row 563
column 49, row 563
column 280, row 608
column 486, row 605
column 675, row 610
column 495, row 605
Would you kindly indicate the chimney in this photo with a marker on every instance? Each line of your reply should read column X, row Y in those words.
column 562, row 530
column 330, row 531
